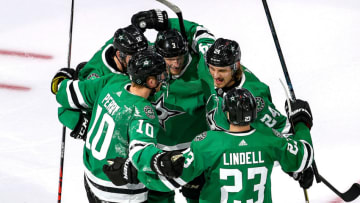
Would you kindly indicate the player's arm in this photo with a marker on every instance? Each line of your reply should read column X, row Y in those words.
column 294, row 155
column 93, row 68
column 123, row 172
column 75, row 94
column 198, row 36
column 144, row 154
column 267, row 112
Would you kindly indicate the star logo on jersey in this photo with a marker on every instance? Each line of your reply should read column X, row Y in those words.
column 163, row 112
column 210, row 117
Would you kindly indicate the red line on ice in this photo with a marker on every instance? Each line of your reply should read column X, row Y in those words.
column 14, row 87
column 24, row 54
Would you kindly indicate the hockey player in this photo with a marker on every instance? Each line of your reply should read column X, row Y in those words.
column 220, row 71
column 224, row 71
column 237, row 162
column 123, row 124
column 180, row 105
column 113, row 57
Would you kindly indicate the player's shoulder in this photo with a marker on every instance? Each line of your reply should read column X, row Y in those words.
column 270, row 135
column 144, row 110
column 207, row 138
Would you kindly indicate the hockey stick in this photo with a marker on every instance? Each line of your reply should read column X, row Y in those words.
column 178, row 12
column 348, row 196
column 283, row 65
column 64, row 128
column 354, row 191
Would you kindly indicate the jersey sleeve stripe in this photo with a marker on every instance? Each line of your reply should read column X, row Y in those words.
column 74, row 96
column 79, row 95
column 307, row 155
column 172, row 184
column 311, row 152
column 136, row 146
column 201, row 32
column 69, row 95
column 287, row 128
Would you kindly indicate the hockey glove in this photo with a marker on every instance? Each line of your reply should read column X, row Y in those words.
column 169, row 164
column 305, row 178
column 78, row 69
column 156, row 19
column 300, row 112
column 62, row 74
column 192, row 189
column 80, row 130
column 120, row 171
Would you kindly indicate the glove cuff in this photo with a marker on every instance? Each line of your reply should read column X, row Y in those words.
column 155, row 163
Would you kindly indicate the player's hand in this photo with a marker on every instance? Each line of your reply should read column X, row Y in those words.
column 62, row 74
column 120, row 171
column 193, row 188
column 78, row 69
column 80, row 130
column 300, row 112
column 156, row 19
column 169, row 164
column 304, row 178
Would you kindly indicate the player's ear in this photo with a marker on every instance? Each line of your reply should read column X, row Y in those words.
column 151, row 82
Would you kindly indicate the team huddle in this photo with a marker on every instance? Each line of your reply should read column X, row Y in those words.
column 179, row 113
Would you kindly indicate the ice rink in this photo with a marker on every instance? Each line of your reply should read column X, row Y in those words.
column 319, row 39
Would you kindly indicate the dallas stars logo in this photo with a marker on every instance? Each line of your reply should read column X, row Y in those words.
column 210, row 117
column 163, row 112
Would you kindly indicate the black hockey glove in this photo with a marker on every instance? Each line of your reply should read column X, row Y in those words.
column 80, row 130
column 156, row 19
column 62, row 74
column 169, row 164
column 78, row 69
column 300, row 112
column 304, row 178
column 192, row 189
column 120, row 171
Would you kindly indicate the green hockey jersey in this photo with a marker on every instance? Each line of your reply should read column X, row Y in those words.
column 122, row 125
column 100, row 65
column 238, row 166
column 181, row 106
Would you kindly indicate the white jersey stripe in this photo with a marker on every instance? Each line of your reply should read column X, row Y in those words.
column 69, row 96
column 79, row 95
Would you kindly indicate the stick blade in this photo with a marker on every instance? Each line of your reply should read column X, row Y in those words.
column 352, row 193
column 172, row 6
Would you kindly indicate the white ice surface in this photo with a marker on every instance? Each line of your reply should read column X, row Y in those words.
column 319, row 39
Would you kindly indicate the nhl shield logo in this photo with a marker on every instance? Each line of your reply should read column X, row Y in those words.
column 149, row 112
column 260, row 104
